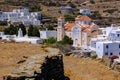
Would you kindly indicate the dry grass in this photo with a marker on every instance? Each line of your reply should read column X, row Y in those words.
column 2, row 28
column 11, row 53
column 2, row 0
column 75, row 68
column 87, row 69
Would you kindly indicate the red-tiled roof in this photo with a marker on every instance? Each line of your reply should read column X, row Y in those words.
column 86, row 30
column 68, row 26
column 83, row 17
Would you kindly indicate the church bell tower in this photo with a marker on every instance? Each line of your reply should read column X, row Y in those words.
column 60, row 29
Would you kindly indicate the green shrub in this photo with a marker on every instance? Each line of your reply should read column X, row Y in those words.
column 96, row 14
column 94, row 57
column 69, row 17
column 49, row 41
column 92, row 1
column 72, row 5
column 66, row 40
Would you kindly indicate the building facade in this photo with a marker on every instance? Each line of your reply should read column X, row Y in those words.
column 21, row 15
column 107, row 43
column 79, row 31
column 85, row 12
column 45, row 34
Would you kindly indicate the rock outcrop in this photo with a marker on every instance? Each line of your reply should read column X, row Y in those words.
column 40, row 67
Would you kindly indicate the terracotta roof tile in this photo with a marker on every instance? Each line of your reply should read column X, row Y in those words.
column 86, row 30
column 83, row 17
column 68, row 26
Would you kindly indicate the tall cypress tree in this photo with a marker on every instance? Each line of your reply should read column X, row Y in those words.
column 36, row 32
column 30, row 30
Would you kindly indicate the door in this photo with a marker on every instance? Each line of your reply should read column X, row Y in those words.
column 76, row 42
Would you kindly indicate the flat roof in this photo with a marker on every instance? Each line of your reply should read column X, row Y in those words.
column 106, row 42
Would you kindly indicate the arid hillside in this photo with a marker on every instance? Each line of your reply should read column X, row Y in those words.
column 75, row 68
column 12, row 53
column 106, row 12
column 102, row 6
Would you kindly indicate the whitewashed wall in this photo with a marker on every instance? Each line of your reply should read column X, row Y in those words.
column 107, row 49
column 47, row 34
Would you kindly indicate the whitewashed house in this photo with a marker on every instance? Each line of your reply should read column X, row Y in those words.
column 107, row 43
column 21, row 15
column 107, row 48
column 85, row 12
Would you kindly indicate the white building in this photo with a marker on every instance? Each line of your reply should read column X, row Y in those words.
column 21, row 38
column 21, row 15
column 45, row 34
column 80, row 31
column 1, row 34
column 85, row 12
column 107, row 48
column 8, row 37
column 110, row 37
column 33, row 40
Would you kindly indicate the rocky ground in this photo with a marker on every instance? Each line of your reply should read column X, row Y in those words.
column 14, row 54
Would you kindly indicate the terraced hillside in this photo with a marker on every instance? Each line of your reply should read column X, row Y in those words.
column 109, row 10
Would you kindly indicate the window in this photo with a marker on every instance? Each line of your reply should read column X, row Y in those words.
column 107, row 46
column 106, row 53
column 117, row 35
column 111, row 54
column 119, row 45
column 98, row 47
column 104, row 32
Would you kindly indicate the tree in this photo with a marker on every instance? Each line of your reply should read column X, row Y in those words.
column 30, row 30
column 3, row 23
column 22, row 28
column 35, row 32
column 49, row 26
column 66, row 40
column 12, row 30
